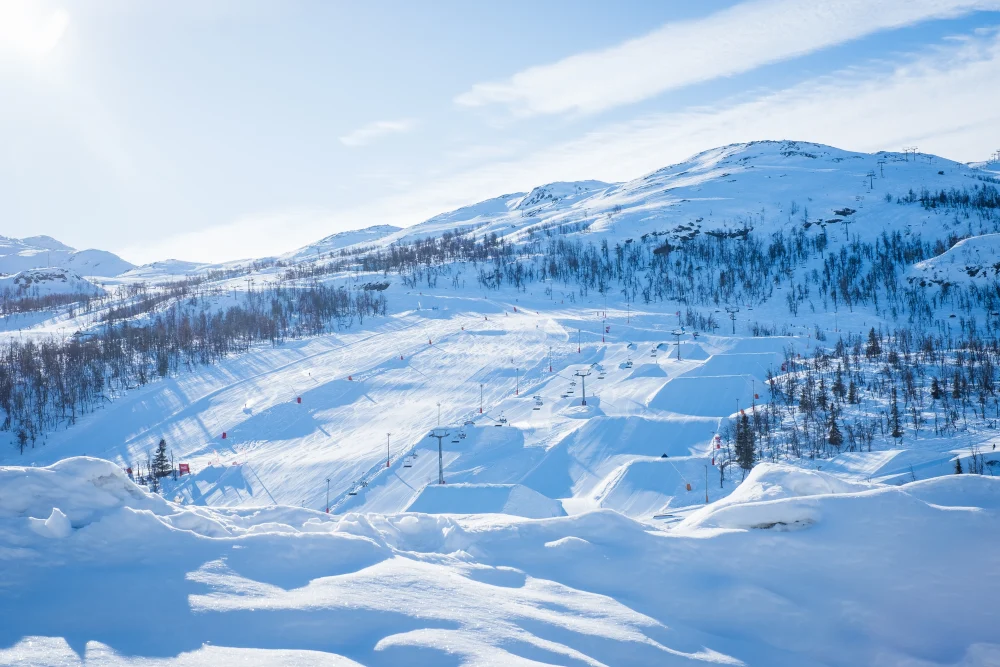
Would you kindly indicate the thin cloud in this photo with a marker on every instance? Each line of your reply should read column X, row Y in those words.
column 368, row 133
column 681, row 53
column 944, row 100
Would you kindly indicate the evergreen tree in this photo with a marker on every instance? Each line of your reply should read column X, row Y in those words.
column 836, row 438
column 161, row 463
column 852, row 393
column 838, row 384
column 935, row 389
column 744, row 444
column 894, row 422
column 873, row 349
column 958, row 466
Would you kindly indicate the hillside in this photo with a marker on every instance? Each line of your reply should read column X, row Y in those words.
column 787, row 351
column 39, row 252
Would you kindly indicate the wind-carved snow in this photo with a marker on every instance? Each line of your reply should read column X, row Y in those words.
column 289, row 584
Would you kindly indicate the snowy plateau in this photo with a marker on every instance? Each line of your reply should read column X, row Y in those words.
column 742, row 410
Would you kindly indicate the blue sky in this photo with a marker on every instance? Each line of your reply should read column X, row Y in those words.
column 222, row 130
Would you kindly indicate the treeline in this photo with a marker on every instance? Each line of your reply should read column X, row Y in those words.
column 743, row 269
column 868, row 393
column 44, row 384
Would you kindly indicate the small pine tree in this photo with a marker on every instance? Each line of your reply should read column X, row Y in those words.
column 161, row 463
column 958, row 466
column 852, row 393
column 935, row 389
column 894, row 421
column 956, row 387
column 838, row 384
column 835, row 438
column 873, row 349
column 744, row 444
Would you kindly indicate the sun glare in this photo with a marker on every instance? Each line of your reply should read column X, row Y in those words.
column 28, row 31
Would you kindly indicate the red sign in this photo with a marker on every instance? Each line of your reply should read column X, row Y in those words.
column 183, row 469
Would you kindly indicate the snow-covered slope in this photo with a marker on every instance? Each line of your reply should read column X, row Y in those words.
column 45, row 282
column 765, row 185
column 619, row 531
column 44, row 251
column 870, row 577
column 339, row 241
column 971, row 260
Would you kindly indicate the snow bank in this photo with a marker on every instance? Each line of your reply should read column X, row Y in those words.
column 82, row 488
column 773, row 495
column 512, row 499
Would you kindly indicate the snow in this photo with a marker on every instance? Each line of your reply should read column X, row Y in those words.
column 513, row 499
column 40, row 252
column 295, row 586
column 46, row 282
column 971, row 260
column 341, row 241
column 565, row 534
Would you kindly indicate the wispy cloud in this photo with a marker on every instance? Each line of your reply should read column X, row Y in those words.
column 945, row 100
column 681, row 53
column 376, row 130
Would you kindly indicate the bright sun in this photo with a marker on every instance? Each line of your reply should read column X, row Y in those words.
column 28, row 30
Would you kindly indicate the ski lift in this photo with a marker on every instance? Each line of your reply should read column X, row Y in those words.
column 407, row 463
column 628, row 364
column 469, row 422
column 352, row 492
column 572, row 383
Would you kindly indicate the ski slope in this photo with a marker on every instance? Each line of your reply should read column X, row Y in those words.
column 313, row 529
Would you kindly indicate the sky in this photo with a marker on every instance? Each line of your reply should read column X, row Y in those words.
column 233, row 129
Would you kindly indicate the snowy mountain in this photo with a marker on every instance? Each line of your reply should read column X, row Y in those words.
column 711, row 415
column 43, row 251
column 46, row 282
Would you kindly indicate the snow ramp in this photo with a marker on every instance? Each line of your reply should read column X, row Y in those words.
column 755, row 364
column 643, row 487
column 587, row 455
column 511, row 499
column 707, row 396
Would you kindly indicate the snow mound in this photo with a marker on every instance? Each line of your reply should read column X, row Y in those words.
column 81, row 488
column 513, row 499
column 958, row 491
column 774, row 496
